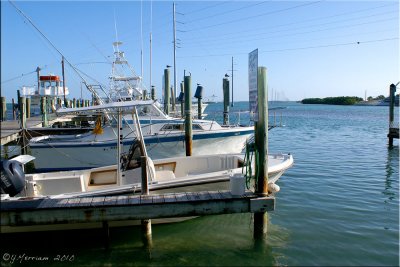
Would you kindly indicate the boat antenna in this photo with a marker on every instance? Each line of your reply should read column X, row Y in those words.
column 151, row 37
column 141, row 42
column 116, row 34
column 58, row 51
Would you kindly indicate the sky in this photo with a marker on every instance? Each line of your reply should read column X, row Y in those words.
column 310, row 49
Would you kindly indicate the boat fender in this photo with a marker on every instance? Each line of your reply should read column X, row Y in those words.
column 273, row 188
column 12, row 177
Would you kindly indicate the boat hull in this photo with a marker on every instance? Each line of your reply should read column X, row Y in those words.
column 79, row 156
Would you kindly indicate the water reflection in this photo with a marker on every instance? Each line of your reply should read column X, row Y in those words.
column 391, row 168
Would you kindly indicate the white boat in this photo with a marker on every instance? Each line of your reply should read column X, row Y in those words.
column 164, row 137
column 179, row 174
column 50, row 86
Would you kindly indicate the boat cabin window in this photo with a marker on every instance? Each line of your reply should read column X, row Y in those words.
column 172, row 127
column 197, row 127
column 147, row 111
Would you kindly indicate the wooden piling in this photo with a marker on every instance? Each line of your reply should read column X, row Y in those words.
column 146, row 223
column 3, row 114
column 43, row 110
column 22, row 117
column 391, row 134
column 144, row 97
column 22, row 111
column 261, row 143
column 153, row 93
column 14, row 115
column 199, row 96
column 182, row 102
column 166, row 91
column 188, row 116
column 225, row 88
column 74, row 102
column 28, row 107
column 63, row 77
column 172, row 98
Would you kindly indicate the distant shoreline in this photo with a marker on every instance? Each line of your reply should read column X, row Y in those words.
column 349, row 100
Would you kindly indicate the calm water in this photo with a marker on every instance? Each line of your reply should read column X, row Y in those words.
column 338, row 205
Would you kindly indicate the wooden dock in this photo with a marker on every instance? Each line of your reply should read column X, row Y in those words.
column 11, row 130
column 136, row 207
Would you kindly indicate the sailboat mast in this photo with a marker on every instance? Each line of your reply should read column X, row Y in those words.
column 173, row 5
column 232, row 83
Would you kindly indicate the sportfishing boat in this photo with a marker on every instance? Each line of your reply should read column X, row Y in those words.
column 164, row 136
column 50, row 86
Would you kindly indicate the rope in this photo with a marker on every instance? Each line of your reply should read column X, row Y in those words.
column 247, row 169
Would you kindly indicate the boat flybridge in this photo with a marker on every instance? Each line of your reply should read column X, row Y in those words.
column 50, row 86
column 173, row 174
column 164, row 137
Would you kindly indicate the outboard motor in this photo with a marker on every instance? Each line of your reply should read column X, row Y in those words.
column 12, row 177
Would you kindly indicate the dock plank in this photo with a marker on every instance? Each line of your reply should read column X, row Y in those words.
column 73, row 202
column 146, row 199
column 97, row 201
column 133, row 200
column 181, row 197
column 86, row 201
column 190, row 196
column 168, row 198
column 158, row 199
column 110, row 200
column 122, row 200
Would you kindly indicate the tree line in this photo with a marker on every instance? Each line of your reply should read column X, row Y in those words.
column 340, row 100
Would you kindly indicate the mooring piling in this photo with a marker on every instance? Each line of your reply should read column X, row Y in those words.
column 3, row 114
column 225, row 88
column 28, row 107
column 199, row 96
column 393, row 130
column 145, row 223
column 166, row 90
column 188, row 116
column 261, row 143
column 14, row 115
column 43, row 110
column 153, row 92
column 182, row 99
column 22, row 111
column 172, row 98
